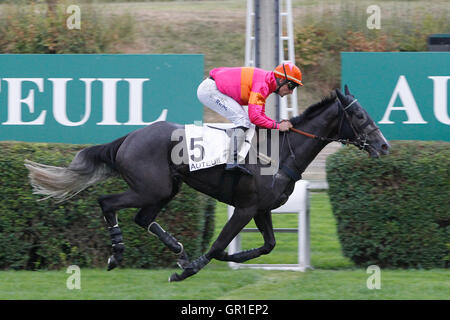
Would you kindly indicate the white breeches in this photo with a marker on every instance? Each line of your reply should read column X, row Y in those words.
column 210, row 96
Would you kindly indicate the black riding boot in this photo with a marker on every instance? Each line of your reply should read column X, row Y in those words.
column 237, row 140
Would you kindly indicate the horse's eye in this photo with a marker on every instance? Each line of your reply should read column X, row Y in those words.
column 360, row 116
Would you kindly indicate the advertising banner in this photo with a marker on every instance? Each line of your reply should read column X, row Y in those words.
column 94, row 98
column 406, row 93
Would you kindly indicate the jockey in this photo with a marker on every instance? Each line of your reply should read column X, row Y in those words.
column 228, row 89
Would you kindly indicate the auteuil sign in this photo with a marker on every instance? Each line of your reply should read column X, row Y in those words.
column 406, row 93
column 94, row 98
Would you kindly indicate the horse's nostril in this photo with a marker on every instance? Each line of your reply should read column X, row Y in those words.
column 384, row 146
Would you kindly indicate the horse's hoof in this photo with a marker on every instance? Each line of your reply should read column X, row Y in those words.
column 112, row 263
column 175, row 277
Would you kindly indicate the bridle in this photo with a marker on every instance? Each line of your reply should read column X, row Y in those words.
column 359, row 138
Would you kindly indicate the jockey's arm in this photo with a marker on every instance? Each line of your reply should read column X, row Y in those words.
column 256, row 112
column 259, row 118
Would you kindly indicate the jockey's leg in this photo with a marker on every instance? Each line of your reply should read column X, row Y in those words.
column 210, row 96
column 236, row 223
column 227, row 107
column 236, row 141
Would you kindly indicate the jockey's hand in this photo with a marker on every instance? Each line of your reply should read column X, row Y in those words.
column 285, row 125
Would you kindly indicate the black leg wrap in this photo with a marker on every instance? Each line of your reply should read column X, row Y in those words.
column 191, row 269
column 117, row 248
column 165, row 237
column 116, row 235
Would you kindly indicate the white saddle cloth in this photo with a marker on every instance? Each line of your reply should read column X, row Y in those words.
column 208, row 145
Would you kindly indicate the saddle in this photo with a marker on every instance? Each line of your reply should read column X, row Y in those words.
column 208, row 145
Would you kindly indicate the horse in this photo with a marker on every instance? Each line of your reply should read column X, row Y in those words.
column 143, row 158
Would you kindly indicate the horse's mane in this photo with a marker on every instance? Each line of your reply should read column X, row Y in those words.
column 313, row 110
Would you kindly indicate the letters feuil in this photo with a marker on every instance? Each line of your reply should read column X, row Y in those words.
column 17, row 101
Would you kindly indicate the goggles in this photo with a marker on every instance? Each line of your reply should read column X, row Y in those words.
column 292, row 85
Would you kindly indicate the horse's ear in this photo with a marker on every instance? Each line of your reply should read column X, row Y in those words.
column 340, row 96
column 347, row 92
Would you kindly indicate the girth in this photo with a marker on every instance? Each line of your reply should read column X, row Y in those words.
column 293, row 174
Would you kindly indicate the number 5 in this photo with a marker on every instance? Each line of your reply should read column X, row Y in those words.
column 199, row 146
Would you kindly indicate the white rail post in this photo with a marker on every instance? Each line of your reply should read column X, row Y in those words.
column 304, row 251
column 287, row 104
column 250, row 35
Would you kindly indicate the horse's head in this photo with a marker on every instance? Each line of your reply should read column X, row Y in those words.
column 357, row 126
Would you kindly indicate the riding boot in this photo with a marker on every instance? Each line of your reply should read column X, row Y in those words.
column 237, row 140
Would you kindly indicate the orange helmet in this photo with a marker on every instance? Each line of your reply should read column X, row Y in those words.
column 290, row 72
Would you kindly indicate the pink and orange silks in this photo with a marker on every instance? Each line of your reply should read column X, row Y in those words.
column 248, row 86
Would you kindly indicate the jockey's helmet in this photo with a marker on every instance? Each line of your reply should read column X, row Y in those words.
column 290, row 72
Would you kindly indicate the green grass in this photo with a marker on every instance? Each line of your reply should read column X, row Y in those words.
column 221, row 283
column 333, row 277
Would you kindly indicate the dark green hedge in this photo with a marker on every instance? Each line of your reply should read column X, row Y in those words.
column 36, row 235
column 393, row 211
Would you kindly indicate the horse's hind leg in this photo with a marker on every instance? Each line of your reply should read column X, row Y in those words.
column 110, row 204
column 171, row 242
column 146, row 219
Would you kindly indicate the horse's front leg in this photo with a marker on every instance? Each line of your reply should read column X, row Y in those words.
column 263, row 221
column 240, row 218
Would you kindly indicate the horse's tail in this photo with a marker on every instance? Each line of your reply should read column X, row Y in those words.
column 90, row 165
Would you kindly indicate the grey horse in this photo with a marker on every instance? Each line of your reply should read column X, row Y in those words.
column 143, row 158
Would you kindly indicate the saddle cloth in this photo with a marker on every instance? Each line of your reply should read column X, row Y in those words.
column 208, row 145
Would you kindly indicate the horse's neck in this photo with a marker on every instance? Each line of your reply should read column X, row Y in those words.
column 306, row 149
